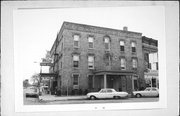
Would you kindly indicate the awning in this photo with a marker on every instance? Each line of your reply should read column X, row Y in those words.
column 48, row 74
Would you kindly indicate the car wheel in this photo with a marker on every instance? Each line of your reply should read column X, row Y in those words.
column 92, row 97
column 138, row 95
column 116, row 97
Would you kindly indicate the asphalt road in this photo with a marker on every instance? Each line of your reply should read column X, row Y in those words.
column 34, row 101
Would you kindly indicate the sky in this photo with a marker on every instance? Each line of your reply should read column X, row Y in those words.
column 35, row 30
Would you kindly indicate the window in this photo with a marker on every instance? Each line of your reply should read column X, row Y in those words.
column 61, row 46
column 103, row 91
column 75, row 61
column 134, row 63
column 133, row 46
column 91, row 62
column 76, row 41
column 123, row 63
column 91, row 42
column 107, row 43
column 109, row 91
column 61, row 64
column 75, row 79
column 107, row 59
column 148, row 89
column 122, row 46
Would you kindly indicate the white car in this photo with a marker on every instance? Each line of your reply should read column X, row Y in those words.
column 107, row 93
column 148, row 92
column 32, row 92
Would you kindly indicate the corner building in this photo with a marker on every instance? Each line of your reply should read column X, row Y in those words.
column 88, row 58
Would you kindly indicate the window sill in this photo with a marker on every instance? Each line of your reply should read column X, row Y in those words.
column 90, row 48
column 91, row 68
column 134, row 53
column 76, row 68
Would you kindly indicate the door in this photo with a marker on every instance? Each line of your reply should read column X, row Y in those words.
column 110, row 82
column 123, row 80
column 102, row 94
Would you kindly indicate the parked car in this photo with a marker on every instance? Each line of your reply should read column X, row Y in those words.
column 32, row 92
column 106, row 93
column 148, row 92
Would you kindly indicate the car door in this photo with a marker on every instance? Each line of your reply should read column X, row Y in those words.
column 109, row 93
column 102, row 94
column 147, row 92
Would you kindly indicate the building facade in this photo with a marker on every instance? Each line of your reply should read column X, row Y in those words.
column 150, row 49
column 88, row 58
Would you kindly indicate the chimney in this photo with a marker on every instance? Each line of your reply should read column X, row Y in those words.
column 125, row 28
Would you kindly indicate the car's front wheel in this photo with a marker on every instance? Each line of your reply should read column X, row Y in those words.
column 138, row 95
column 92, row 97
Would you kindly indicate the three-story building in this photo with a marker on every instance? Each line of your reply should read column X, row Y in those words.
column 90, row 58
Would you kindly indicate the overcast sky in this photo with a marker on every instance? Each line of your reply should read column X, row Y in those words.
column 35, row 30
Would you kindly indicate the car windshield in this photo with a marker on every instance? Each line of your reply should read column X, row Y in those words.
column 147, row 89
column 103, row 91
column 154, row 89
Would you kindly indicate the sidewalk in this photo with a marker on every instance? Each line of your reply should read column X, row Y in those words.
column 61, row 98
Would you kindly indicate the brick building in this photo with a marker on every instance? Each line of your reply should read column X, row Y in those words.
column 90, row 58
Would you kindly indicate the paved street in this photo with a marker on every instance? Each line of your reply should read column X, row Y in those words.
column 81, row 100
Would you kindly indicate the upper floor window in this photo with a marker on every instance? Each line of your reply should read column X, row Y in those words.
column 75, row 79
column 133, row 46
column 122, row 46
column 91, row 42
column 91, row 62
column 123, row 63
column 107, row 59
column 75, row 61
column 107, row 43
column 134, row 63
column 76, row 41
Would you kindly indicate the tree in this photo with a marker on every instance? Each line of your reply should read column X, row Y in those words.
column 35, row 79
column 26, row 83
column 47, row 57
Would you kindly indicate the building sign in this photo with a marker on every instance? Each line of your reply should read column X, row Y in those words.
column 46, row 64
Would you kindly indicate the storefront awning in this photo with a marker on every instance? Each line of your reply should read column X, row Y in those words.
column 48, row 74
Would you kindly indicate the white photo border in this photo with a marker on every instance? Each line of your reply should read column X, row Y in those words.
column 162, row 103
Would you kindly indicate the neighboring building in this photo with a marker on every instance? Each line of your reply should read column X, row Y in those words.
column 150, row 49
column 90, row 58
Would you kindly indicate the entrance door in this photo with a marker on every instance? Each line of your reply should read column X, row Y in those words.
column 124, row 83
column 135, row 85
column 111, row 81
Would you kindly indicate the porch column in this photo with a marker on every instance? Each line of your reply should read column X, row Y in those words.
column 105, row 81
column 132, row 79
